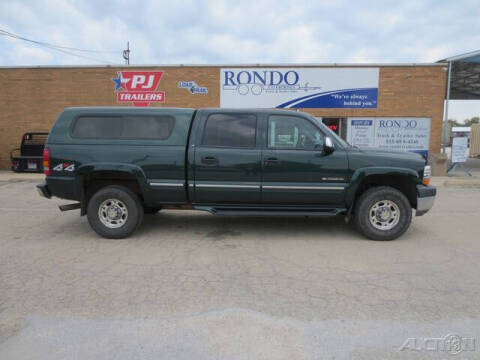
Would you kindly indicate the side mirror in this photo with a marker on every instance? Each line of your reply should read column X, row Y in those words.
column 329, row 146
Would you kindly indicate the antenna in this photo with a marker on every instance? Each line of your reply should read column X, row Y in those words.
column 126, row 54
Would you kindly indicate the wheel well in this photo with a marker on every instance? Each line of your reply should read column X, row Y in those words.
column 99, row 179
column 401, row 183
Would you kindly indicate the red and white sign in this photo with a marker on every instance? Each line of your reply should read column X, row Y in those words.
column 139, row 87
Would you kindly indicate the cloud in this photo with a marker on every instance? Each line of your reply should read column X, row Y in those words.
column 248, row 31
column 35, row 55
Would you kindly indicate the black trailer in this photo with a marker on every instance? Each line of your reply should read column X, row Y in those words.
column 28, row 158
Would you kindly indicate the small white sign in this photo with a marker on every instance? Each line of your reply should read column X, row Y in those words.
column 459, row 149
column 361, row 132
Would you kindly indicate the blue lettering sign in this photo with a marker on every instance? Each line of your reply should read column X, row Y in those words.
column 258, row 79
column 266, row 78
column 362, row 122
column 229, row 78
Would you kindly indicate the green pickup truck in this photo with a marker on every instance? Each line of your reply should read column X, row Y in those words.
column 119, row 163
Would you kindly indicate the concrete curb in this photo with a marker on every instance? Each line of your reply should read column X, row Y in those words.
column 10, row 176
column 472, row 182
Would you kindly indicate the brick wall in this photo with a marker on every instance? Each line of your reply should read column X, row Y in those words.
column 32, row 98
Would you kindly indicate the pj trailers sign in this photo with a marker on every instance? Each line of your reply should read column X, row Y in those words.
column 355, row 88
column 138, row 87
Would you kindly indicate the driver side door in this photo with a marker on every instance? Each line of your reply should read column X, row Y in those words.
column 295, row 169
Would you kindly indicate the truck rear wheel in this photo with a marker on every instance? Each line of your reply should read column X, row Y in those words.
column 383, row 213
column 114, row 212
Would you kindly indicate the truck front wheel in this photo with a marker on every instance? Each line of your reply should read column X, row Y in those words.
column 114, row 212
column 383, row 213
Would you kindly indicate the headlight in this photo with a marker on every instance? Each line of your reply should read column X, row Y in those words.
column 427, row 173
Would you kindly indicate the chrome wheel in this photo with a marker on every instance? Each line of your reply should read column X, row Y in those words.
column 384, row 215
column 113, row 213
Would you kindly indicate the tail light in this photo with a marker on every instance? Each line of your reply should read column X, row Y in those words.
column 46, row 162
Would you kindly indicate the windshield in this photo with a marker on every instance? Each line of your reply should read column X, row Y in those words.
column 331, row 133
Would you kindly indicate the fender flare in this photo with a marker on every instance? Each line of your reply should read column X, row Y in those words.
column 360, row 174
column 86, row 169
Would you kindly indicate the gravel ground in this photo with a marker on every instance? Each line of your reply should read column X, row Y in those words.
column 189, row 285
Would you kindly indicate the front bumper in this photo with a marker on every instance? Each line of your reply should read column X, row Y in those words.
column 425, row 199
column 44, row 191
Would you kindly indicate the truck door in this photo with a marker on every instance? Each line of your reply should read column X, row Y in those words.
column 295, row 168
column 227, row 161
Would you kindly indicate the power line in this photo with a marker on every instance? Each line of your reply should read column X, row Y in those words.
column 4, row 32
column 64, row 49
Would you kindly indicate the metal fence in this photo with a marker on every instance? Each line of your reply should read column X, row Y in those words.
column 475, row 140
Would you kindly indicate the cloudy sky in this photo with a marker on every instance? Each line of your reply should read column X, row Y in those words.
column 228, row 32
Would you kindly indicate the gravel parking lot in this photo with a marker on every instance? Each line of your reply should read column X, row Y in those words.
column 189, row 285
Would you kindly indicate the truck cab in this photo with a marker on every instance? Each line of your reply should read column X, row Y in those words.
column 119, row 163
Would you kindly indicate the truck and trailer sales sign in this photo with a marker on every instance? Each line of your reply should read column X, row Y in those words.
column 390, row 133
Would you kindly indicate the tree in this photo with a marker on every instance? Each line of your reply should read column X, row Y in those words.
column 454, row 122
column 471, row 121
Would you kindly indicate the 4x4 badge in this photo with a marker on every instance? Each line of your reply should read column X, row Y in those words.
column 64, row 167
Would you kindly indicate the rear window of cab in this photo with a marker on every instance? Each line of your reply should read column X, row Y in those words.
column 145, row 127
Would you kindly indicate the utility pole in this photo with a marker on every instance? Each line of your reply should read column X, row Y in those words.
column 126, row 54
column 445, row 113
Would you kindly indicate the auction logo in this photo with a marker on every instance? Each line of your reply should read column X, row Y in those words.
column 139, row 87
column 451, row 344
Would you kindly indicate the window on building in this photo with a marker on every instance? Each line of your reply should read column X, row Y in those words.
column 337, row 125
column 230, row 130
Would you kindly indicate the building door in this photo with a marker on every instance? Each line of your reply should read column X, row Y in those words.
column 337, row 125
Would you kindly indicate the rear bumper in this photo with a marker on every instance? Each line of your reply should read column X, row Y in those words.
column 44, row 191
column 425, row 199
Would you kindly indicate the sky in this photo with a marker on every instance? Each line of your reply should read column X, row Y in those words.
column 233, row 32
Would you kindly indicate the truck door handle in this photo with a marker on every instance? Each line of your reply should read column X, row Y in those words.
column 209, row 160
column 272, row 160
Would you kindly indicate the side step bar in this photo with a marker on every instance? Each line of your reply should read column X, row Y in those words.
column 68, row 207
column 271, row 212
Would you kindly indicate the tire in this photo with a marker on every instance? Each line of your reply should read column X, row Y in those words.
column 381, row 201
column 126, row 207
column 151, row 210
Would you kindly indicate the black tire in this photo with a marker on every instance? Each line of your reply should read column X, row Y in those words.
column 151, row 210
column 128, row 199
column 373, row 196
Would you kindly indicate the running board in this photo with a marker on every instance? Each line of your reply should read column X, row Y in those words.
column 224, row 211
column 68, row 207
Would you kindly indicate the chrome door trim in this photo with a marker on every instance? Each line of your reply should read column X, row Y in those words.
column 276, row 187
column 246, row 186
column 294, row 187
column 234, row 186
column 165, row 184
